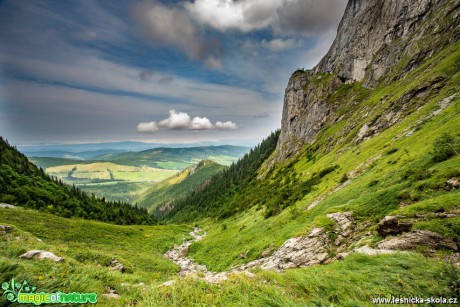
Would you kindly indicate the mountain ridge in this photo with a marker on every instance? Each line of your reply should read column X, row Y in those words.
column 377, row 43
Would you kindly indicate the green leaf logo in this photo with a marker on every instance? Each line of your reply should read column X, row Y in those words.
column 12, row 289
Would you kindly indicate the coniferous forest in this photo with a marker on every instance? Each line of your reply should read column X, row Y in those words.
column 220, row 197
column 23, row 184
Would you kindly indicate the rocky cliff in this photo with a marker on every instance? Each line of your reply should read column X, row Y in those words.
column 377, row 43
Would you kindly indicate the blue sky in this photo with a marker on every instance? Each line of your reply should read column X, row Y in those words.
column 156, row 71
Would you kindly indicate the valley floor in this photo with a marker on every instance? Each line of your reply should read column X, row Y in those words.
column 89, row 249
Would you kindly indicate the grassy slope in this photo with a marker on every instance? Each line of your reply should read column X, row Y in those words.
column 381, row 187
column 178, row 186
column 87, row 247
column 352, row 282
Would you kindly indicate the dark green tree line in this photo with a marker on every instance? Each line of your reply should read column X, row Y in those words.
column 23, row 184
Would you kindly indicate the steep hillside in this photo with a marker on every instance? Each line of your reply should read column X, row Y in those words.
column 177, row 158
column 222, row 196
column 379, row 150
column 177, row 187
column 23, row 184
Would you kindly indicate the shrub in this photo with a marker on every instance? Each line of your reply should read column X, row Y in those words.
column 327, row 170
column 391, row 151
column 445, row 147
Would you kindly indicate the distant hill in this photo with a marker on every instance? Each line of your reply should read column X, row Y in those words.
column 176, row 158
column 23, row 184
column 179, row 186
column 79, row 155
column 124, row 176
column 45, row 162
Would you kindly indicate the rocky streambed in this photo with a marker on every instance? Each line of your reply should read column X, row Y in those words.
column 178, row 255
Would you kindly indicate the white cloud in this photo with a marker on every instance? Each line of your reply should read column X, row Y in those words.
column 242, row 15
column 176, row 121
column 226, row 125
column 200, row 123
column 183, row 121
column 147, row 127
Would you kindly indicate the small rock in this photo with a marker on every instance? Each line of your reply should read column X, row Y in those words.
column 7, row 206
column 454, row 259
column 341, row 256
column 244, row 255
column 367, row 250
column 184, row 251
column 268, row 251
column 39, row 254
column 117, row 266
column 249, row 274
column 167, row 283
column 111, row 293
column 5, row 229
column 391, row 225
column 363, row 132
column 453, row 183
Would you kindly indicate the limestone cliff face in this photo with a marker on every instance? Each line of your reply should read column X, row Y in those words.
column 373, row 38
column 373, row 35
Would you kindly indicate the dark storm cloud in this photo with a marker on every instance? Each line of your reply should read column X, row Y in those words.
column 309, row 16
column 166, row 25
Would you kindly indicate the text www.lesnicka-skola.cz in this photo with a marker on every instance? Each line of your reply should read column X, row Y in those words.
column 413, row 300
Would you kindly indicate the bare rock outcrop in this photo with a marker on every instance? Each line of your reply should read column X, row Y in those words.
column 297, row 252
column 298, row 126
column 315, row 248
column 392, row 225
column 412, row 240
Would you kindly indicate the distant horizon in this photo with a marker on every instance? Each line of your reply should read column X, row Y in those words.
column 123, row 146
column 165, row 142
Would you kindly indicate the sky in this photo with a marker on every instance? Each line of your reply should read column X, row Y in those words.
column 76, row 71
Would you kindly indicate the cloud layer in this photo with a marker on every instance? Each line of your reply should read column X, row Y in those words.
column 112, row 66
column 182, row 121
column 308, row 17
column 184, row 26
